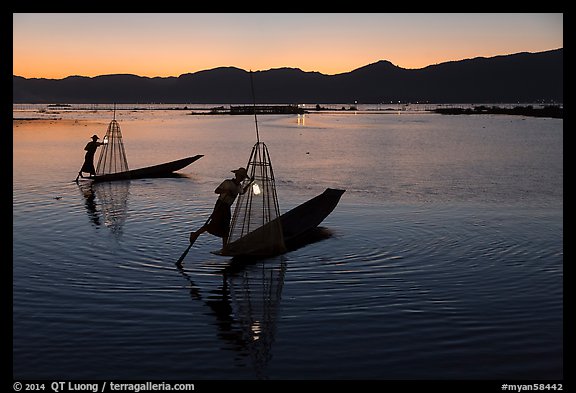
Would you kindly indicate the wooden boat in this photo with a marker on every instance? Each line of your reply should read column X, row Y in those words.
column 159, row 170
column 296, row 224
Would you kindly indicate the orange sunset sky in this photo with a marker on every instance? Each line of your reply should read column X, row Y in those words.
column 90, row 44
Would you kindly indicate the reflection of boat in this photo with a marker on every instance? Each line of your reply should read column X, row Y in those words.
column 296, row 224
column 159, row 170
column 245, row 307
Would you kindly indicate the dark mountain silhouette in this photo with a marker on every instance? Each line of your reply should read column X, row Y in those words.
column 521, row 77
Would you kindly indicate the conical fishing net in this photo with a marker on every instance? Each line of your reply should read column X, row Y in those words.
column 112, row 155
column 255, row 227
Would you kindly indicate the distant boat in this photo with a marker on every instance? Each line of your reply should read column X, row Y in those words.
column 160, row 170
column 296, row 225
column 113, row 165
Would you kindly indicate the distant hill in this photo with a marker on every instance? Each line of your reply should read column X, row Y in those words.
column 521, row 77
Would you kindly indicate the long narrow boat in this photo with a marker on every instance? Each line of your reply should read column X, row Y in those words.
column 159, row 170
column 296, row 224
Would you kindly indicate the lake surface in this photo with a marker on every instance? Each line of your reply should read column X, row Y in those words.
column 443, row 259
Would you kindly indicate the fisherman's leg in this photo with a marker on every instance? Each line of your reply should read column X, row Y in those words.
column 194, row 235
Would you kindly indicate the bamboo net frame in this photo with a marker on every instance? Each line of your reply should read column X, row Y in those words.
column 112, row 156
column 257, row 211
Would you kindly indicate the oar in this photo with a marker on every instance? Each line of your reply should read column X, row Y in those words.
column 181, row 259
column 79, row 173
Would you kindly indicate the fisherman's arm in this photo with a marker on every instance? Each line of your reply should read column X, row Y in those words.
column 222, row 188
column 247, row 185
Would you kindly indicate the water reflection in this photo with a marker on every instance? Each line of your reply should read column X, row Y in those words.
column 112, row 198
column 302, row 120
column 245, row 307
column 90, row 202
column 246, row 304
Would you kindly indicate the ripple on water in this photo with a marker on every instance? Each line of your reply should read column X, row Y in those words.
column 438, row 262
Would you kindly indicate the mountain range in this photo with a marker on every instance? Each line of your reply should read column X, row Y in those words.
column 521, row 77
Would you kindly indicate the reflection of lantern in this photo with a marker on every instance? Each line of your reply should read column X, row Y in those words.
column 256, row 189
column 105, row 140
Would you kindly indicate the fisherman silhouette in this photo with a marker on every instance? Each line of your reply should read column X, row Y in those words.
column 218, row 224
column 88, row 165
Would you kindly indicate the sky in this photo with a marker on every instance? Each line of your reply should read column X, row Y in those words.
column 163, row 44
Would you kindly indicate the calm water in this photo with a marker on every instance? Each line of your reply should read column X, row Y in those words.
column 443, row 260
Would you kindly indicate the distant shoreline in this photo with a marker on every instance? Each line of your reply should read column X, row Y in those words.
column 552, row 111
column 549, row 111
